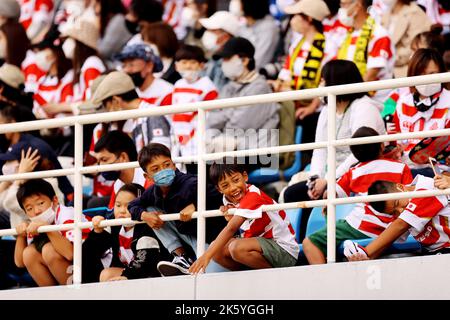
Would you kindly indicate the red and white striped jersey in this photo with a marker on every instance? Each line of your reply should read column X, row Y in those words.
column 66, row 215
column 159, row 93
column 172, row 16
column 358, row 180
column 408, row 119
column 437, row 13
column 126, row 255
column 91, row 69
column 185, row 124
column 270, row 225
column 428, row 217
column 31, row 72
column 334, row 32
column 35, row 11
column 52, row 90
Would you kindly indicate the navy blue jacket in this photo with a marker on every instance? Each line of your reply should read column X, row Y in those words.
column 182, row 193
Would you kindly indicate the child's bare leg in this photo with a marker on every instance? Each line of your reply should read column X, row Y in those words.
column 224, row 258
column 312, row 253
column 248, row 252
column 36, row 267
column 110, row 273
column 57, row 264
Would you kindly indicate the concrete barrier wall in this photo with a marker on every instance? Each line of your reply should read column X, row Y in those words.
column 404, row 278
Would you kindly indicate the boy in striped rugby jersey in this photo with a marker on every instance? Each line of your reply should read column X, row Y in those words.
column 363, row 221
column 427, row 219
column 267, row 239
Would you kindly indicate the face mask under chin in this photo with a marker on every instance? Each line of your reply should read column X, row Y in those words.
column 137, row 78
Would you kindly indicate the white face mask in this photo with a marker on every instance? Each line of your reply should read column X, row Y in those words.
column 10, row 167
column 190, row 75
column 48, row 216
column 236, row 8
column 428, row 90
column 68, row 48
column 42, row 62
column 209, row 41
column 233, row 68
column 188, row 17
column 344, row 18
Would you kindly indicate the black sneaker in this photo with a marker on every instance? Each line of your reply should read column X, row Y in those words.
column 179, row 266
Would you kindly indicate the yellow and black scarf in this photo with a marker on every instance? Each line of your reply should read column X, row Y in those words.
column 310, row 76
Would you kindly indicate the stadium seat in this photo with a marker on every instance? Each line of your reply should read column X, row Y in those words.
column 295, row 216
column 268, row 175
column 317, row 221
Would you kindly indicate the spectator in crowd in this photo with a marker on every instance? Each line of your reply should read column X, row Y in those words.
column 305, row 59
column 36, row 17
column 239, row 66
column 142, row 13
column 428, row 40
column 424, row 107
column 47, row 256
column 439, row 13
column 424, row 218
column 55, row 87
column 367, row 44
column 117, row 92
column 363, row 221
column 260, row 29
column 192, row 87
column 352, row 112
column 113, row 33
column 220, row 27
column 173, row 15
column 14, row 42
column 173, row 192
column 136, row 250
column 118, row 147
column 255, row 248
column 163, row 41
column 14, row 114
column 140, row 63
column 190, row 19
column 404, row 20
column 25, row 157
column 12, row 84
column 9, row 9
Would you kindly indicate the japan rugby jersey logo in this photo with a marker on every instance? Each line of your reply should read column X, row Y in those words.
column 411, row 207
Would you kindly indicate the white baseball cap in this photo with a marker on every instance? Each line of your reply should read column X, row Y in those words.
column 222, row 20
column 316, row 9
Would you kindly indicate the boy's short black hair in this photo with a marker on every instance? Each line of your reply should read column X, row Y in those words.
column 117, row 142
column 32, row 188
column 226, row 166
column 366, row 152
column 151, row 151
column 133, row 188
column 188, row 52
column 380, row 187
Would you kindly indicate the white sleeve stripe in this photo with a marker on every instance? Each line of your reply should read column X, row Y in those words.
column 413, row 220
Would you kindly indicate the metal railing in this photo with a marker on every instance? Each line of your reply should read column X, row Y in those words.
column 202, row 156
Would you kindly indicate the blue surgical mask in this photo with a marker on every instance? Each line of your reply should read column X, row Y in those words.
column 111, row 175
column 164, row 178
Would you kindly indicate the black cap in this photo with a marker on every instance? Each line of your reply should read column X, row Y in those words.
column 239, row 46
column 15, row 151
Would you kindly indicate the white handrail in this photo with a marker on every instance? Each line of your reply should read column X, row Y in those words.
column 202, row 157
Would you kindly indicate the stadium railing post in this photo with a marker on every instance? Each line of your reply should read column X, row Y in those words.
column 201, row 191
column 78, row 205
